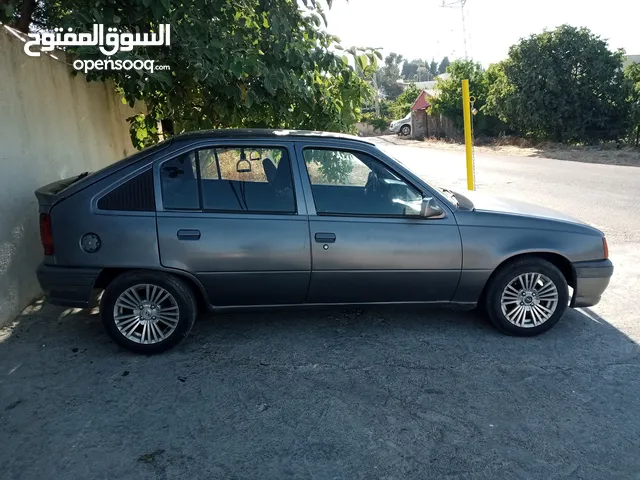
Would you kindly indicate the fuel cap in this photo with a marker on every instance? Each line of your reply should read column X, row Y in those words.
column 90, row 242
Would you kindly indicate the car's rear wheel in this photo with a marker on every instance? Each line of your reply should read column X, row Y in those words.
column 148, row 312
column 526, row 297
column 405, row 130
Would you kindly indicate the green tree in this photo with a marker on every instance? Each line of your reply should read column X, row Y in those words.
column 632, row 74
column 564, row 85
column 255, row 63
column 388, row 76
column 448, row 101
column 423, row 74
column 411, row 69
column 442, row 68
column 26, row 15
column 433, row 67
column 402, row 105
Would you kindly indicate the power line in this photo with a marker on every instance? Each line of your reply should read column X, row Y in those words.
column 459, row 4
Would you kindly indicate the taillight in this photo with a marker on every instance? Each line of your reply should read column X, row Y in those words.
column 606, row 247
column 46, row 235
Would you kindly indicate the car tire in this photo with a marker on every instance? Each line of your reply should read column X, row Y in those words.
column 520, row 295
column 168, row 314
column 406, row 130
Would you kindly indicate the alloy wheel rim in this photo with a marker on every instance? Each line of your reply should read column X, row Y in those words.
column 146, row 314
column 529, row 300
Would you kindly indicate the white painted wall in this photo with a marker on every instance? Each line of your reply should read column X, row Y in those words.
column 52, row 126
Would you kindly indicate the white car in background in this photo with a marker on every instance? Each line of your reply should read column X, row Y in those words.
column 402, row 126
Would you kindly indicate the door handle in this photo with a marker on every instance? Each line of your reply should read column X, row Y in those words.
column 188, row 234
column 325, row 237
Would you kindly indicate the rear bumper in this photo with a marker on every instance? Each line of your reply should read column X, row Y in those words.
column 66, row 286
column 592, row 279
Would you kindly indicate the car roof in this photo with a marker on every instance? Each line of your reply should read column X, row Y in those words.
column 243, row 133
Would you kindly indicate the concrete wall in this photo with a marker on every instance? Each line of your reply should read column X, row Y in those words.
column 52, row 126
column 418, row 124
column 367, row 130
column 433, row 126
column 439, row 126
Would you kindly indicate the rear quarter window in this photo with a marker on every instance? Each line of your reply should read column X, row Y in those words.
column 136, row 194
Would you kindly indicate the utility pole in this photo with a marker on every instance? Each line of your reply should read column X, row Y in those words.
column 461, row 4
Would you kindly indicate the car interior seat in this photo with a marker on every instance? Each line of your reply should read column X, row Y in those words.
column 282, row 179
column 270, row 170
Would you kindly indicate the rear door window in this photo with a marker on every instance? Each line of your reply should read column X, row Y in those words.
column 230, row 179
column 179, row 178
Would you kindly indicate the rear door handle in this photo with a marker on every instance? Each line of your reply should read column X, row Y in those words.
column 188, row 234
column 325, row 237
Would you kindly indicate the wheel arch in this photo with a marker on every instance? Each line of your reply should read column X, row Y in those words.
column 108, row 275
column 561, row 262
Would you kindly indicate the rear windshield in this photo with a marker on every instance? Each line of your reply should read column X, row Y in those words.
column 64, row 184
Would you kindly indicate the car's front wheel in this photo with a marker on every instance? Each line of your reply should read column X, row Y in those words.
column 148, row 312
column 526, row 297
column 406, row 130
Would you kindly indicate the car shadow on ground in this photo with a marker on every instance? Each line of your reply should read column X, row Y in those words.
column 378, row 392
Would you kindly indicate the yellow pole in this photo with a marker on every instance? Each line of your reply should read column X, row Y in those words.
column 468, row 141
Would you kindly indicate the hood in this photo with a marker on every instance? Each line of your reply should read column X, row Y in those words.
column 490, row 203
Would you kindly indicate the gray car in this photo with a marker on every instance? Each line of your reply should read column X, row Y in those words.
column 232, row 219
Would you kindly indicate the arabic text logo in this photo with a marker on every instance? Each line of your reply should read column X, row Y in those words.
column 108, row 44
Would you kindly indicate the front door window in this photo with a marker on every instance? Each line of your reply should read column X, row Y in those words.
column 354, row 183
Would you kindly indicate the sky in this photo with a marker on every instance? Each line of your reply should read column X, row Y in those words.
column 423, row 29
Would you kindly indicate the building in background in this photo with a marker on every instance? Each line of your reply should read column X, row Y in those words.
column 629, row 59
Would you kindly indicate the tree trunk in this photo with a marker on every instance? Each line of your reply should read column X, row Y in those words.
column 557, row 135
column 28, row 7
column 638, row 136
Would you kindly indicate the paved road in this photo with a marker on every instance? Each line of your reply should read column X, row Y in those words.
column 394, row 393
column 607, row 196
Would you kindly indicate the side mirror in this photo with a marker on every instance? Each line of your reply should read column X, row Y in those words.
column 430, row 209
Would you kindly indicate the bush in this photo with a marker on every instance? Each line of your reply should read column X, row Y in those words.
column 449, row 99
column 379, row 123
column 632, row 76
column 563, row 85
column 402, row 105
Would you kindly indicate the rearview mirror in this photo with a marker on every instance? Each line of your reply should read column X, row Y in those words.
column 430, row 209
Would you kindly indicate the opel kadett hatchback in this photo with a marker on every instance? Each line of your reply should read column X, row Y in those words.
column 230, row 219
